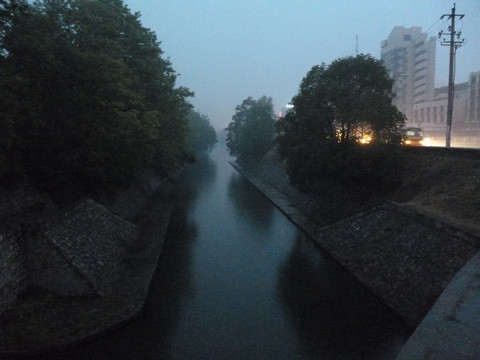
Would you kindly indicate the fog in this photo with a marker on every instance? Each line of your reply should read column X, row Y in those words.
column 226, row 51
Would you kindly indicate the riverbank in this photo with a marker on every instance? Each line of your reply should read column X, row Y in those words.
column 407, row 259
column 42, row 320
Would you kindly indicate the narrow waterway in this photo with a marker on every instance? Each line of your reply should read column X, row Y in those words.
column 237, row 280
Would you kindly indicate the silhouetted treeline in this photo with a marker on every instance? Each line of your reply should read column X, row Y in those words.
column 86, row 98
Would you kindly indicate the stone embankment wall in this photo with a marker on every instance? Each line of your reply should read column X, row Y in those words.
column 14, row 276
column 79, row 254
column 405, row 257
column 71, row 252
column 89, row 267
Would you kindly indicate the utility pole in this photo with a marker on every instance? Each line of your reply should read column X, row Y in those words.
column 454, row 45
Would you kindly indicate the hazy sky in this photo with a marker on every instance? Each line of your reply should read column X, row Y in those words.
column 227, row 50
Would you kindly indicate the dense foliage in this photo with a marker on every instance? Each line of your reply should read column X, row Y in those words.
column 202, row 134
column 252, row 130
column 336, row 106
column 87, row 98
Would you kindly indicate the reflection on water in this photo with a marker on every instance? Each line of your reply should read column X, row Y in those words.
column 333, row 316
column 236, row 280
column 250, row 205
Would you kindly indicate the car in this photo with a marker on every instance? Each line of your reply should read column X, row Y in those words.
column 412, row 136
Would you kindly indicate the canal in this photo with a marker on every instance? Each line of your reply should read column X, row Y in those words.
column 237, row 280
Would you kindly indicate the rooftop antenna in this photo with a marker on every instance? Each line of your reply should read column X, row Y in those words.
column 356, row 45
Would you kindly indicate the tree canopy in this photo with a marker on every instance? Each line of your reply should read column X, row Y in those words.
column 360, row 92
column 202, row 135
column 252, row 130
column 87, row 97
column 335, row 105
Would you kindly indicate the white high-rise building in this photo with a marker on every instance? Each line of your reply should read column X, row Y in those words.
column 409, row 55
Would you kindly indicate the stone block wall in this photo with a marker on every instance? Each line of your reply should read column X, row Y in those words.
column 14, row 230
column 404, row 257
column 47, row 268
column 92, row 241
column 72, row 252
column 75, row 254
column 13, row 274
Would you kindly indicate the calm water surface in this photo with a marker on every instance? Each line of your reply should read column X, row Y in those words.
column 237, row 280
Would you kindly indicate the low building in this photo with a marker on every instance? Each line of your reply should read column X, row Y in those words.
column 472, row 120
column 431, row 115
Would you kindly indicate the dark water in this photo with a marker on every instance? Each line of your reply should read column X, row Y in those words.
column 237, row 280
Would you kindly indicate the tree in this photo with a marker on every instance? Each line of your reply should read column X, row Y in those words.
column 202, row 135
column 252, row 130
column 354, row 85
column 318, row 137
column 90, row 93
column 10, row 168
column 383, row 120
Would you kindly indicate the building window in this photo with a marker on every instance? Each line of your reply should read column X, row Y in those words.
column 420, row 61
column 407, row 37
column 420, row 69
column 417, row 45
column 421, row 52
column 420, row 78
